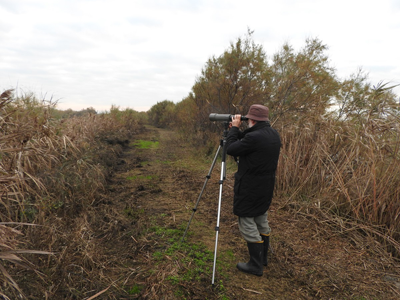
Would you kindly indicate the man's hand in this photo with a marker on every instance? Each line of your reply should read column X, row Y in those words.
column 236, row 120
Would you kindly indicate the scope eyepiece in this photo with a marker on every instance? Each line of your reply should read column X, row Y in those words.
column 224, row 117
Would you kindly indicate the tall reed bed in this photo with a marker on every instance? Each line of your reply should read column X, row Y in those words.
column 50, row 169
column 350, row 170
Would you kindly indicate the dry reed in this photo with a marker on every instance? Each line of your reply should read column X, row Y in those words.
column 348, row 170
column 50, row 169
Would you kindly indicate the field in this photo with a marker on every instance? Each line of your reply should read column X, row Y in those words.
column 134, row 249
column 96, row 206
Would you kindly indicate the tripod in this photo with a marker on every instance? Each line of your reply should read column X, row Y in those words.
column 221, row 182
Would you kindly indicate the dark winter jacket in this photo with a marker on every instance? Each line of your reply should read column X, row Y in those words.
column 257, row 149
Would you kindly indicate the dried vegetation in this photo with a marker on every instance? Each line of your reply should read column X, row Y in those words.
column 348, row 170
column 51, row 172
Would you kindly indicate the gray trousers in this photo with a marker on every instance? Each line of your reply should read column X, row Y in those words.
column 252, row 228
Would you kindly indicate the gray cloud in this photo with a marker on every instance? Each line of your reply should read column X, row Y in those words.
column 10, row 6
column 95, row 53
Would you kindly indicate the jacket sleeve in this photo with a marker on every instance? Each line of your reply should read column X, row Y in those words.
column 237, row 146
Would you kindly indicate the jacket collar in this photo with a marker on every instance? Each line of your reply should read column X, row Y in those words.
column 257, row 126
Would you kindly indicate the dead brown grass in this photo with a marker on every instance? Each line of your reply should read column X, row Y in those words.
column 348, row 170
column 49, row 170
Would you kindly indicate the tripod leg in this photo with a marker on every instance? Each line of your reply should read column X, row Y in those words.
column 201, row 193
column 221, row 182
column 218, row 218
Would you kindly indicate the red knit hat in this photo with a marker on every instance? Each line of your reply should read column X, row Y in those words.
column 258, row 112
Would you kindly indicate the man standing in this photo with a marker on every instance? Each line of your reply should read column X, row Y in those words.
column 257, row 149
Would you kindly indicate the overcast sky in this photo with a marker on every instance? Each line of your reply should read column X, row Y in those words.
column 131, row 53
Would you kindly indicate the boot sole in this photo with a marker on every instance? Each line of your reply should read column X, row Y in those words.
column 249, row 272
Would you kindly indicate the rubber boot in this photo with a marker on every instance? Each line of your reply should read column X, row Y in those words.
column 255, row 264
column 266, row 247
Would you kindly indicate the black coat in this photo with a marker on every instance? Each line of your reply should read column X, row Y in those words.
column 258, row 151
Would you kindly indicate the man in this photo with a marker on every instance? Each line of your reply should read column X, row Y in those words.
column 257, row 150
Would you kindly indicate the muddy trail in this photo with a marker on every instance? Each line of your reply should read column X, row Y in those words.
column 151, row 194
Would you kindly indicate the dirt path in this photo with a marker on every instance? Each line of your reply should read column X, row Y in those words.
column 152, row 193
